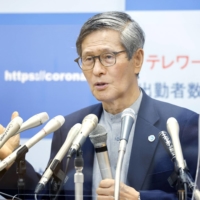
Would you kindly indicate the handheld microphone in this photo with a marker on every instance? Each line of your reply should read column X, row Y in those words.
column 89, row 123
column 51, row 126
column 127, row 121
column 58, row 158
column 98, row 138
column 34, row 121
column 10, row 130
column 173, row 129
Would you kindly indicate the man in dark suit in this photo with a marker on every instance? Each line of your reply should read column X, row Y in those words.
column 150, row 164
column 110, row 49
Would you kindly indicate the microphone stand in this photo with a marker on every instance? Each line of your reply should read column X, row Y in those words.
column 181, row 180
column 78, row 176
column 21, row 169
column 59, row 177
column 182, row 185
column 122, row 149
column 56, row 180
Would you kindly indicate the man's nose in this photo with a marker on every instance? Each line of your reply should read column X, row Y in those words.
column 98, row 67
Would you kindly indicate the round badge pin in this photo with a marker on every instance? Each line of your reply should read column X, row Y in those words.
column 151, row 138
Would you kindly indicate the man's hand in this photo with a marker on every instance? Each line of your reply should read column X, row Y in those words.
column 11, row 144
column 106, row 189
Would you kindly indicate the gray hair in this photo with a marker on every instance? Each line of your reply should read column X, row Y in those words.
column 131, row 34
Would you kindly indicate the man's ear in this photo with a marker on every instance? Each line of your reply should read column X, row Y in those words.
column 138, row 60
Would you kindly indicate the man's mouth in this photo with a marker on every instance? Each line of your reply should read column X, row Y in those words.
column 100, row 84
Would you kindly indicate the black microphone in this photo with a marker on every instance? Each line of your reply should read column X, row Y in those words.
column 166, row 140
column 98, row 138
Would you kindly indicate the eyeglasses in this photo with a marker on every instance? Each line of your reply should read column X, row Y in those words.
column 106, row 59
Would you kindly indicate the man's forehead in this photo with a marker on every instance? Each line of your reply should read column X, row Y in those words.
column 106, row 40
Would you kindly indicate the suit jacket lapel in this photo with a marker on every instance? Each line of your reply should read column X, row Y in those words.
column 142, row 149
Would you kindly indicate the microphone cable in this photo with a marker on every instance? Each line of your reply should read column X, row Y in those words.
column 8, row 195
column 69, row 155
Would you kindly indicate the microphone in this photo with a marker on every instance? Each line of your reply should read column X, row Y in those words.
column 11, row 129
column 98, row 138
column 58, row 158
column 173, row 129
column 51, row 126
column 127, row 121
column 34, row 121
column 164, row 137
column 166, row 140
column 89, row 123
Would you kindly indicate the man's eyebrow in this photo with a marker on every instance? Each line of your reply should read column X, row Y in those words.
column 104, row 50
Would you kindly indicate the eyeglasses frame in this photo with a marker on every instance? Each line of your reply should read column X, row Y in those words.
column 93, row 57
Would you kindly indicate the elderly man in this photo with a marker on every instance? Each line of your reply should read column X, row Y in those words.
column 110, row 49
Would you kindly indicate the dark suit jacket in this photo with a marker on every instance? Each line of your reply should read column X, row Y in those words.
column 150, row 164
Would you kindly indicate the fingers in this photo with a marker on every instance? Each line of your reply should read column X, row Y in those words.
column 106, row 183
column 1, row 129
column 127, row 192
column 106, row 191
column 106, row 188
column 105, row 197
column 14, row 114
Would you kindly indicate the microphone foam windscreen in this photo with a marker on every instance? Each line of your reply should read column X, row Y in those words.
column 98, row 135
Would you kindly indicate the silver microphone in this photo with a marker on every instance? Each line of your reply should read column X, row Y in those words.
column 127, row 121
column 98, row 138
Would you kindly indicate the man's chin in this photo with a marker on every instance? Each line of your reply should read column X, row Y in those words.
column 102, row 96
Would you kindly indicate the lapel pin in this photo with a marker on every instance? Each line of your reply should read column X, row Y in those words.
column 151, row 138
